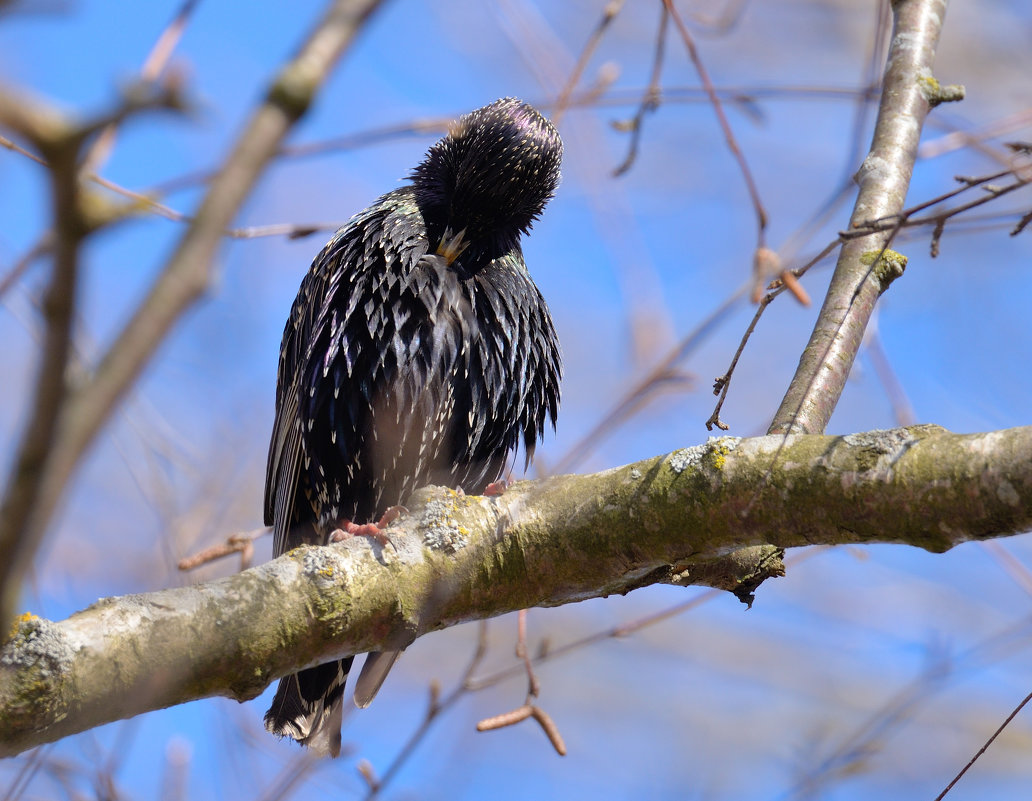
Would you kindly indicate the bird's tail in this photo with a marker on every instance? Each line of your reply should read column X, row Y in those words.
column 374, row 670
column 308, row 707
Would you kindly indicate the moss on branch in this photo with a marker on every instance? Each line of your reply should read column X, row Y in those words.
column 717, row 514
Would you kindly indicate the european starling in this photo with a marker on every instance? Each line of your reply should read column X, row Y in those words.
column 418, row 351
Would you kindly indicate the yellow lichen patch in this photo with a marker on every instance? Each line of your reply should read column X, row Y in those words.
column 935, row 93
column 24, row 617
column 720, row 447
column 930, row 86
column 458, row 497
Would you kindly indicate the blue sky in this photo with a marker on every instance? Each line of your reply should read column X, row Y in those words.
column 719, row 703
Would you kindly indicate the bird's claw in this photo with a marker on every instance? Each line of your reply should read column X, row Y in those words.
column 375, row 530
column 496, row 488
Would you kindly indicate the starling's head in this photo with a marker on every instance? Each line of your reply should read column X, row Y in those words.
column 492, row 175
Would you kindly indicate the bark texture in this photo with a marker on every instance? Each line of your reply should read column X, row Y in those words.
column 717, row 514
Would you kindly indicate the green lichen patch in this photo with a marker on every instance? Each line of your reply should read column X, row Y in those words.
column 890, row 259
column 442, row 532
column 887, row 265
column 40, row 657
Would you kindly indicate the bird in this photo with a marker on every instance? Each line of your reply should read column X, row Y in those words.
column 418, row 351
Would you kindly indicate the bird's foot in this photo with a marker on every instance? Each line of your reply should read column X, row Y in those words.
column 392, row 514
column 375, row 530
column 496, row 487
column 348, row 530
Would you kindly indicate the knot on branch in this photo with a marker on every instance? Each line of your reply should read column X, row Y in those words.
column 935, row 93
column 293, row 90
column 886, row 265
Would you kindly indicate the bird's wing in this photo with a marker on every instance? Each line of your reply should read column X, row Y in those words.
column 286, row 450
column 283, row 469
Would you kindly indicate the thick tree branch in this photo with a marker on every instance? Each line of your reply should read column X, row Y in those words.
column 908, row 92
column 701, row 515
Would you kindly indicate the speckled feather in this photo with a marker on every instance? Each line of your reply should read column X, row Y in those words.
column 418, row 351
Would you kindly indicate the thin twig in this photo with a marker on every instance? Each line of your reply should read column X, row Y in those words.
column 295, row 771
column 40, row 248
column 902, row 409
column 906, row 219
column 533, row 687
column 151, row 70
column 871, row 87
column 744, row 96
column 722, row 383
column 938, row 672
column 725, row 126
column 983, row 749
column 235, row 543
column 859, row 744
column 958, row 139
column 661, row 376
column 435, row 708
column 14, row 146
column 609, row 13
column 649, row 99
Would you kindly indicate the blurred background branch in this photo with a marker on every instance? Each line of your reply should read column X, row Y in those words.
column 184, row 279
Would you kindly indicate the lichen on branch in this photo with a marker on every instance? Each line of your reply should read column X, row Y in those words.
column 716, row 514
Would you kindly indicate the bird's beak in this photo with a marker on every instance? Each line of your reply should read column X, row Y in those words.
column 452, row 245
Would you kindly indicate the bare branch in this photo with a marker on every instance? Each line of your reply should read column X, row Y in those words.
column 650, row 98
column 152, row 68
column 700, row 515
column 17, row 546
column 884, row 178
column 609, row 13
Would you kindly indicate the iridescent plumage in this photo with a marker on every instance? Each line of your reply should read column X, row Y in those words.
column 418, row 351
